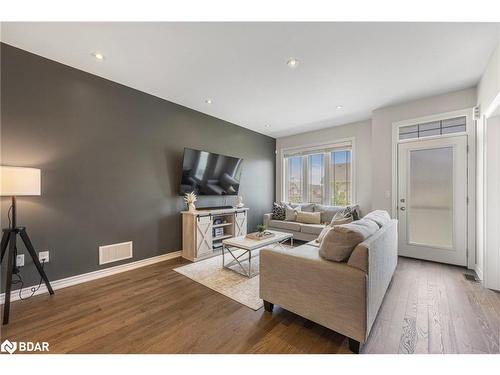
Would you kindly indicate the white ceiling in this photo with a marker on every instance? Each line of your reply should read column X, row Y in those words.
column 242, row 66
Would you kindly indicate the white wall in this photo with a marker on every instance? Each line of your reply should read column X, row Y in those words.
column 382, row 120
column 361, row 131
column 487, row 141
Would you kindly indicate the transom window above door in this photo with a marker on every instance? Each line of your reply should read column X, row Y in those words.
column 320, row 175
column 433, row 128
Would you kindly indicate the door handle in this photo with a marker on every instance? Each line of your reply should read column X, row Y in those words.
column 403, row 208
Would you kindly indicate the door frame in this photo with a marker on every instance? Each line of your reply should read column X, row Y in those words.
column 471, row 169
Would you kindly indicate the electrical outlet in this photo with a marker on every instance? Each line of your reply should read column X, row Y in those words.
column 20, row 260
column 43, row 256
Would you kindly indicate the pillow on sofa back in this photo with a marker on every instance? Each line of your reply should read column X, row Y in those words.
column 345, row 220
column 340, row 241
column 308, row 217
column 278, row 212
column 380, row 217
column 327, row 212
column 291, row 213
column 304, row 207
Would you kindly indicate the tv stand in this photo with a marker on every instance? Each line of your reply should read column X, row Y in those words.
column 213, row 208
column 204, row 230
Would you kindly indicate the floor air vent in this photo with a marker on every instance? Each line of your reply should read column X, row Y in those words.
column 115, row 252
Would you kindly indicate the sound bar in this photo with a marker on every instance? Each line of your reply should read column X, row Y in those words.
column 213, row 208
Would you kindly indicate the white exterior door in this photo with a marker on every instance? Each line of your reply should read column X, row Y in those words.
column 432, row 199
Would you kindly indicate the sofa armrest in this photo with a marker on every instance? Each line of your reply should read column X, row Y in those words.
column 329, row 293
column 267, row 217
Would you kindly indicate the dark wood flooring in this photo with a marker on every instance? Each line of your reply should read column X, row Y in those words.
column 429, row 308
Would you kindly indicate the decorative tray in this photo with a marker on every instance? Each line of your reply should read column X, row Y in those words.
column 260, row 236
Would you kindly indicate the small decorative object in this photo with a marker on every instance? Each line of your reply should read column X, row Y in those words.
column 190, row 198
column 239, row 202
column 261, row 228
column 260, row 235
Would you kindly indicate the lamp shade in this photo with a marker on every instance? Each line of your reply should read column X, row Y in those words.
column 19, row 181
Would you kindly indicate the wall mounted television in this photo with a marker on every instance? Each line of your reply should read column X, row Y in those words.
column 207, row 173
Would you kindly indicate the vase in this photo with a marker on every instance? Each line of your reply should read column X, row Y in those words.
column 191, row 207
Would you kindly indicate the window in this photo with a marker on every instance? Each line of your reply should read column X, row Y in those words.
column 448, row 126
column 319, row 175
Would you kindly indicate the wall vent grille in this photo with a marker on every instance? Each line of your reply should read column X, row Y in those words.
column 115, row 252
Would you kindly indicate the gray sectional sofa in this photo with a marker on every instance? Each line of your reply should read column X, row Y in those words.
column 305, row 232
column 343, row 296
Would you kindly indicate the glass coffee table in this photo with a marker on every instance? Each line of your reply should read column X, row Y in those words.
column 248, row 245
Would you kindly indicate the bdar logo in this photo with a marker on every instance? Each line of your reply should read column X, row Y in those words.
column 8, row 347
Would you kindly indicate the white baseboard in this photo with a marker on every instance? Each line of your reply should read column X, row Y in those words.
column 79, row 279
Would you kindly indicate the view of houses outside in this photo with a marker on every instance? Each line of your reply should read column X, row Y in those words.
column 340, row 178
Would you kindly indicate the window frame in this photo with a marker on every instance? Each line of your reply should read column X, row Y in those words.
column 346, row 143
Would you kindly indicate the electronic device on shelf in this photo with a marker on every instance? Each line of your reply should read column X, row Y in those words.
column 213, row 208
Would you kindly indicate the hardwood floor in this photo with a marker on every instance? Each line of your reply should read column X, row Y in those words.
column 429, row 308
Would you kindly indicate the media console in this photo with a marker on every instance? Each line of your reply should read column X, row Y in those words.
column 203, row 230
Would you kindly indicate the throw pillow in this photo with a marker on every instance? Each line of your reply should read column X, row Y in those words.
column 348, row 211
column 291, row 213
column 340, row 241
column 380, row 217
column 308, row 217
column 278, row 212
column 327, row 212
column 323, row 233
column 344, row 220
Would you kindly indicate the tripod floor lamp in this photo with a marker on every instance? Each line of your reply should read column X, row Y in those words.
column 18, row 181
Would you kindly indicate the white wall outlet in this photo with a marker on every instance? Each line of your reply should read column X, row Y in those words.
column 20, row 260
column 43, row 256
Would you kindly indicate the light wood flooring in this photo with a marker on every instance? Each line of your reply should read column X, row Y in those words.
column 429, row 308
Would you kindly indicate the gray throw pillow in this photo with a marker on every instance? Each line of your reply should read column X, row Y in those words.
column 291, row 213
column 327, row 212
column 340, row 241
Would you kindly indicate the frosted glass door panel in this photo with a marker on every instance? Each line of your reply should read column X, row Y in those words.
column 430, row 200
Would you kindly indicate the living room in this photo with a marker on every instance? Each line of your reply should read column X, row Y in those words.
column 246, row 188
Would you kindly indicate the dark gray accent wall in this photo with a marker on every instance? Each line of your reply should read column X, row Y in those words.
column 111, row 160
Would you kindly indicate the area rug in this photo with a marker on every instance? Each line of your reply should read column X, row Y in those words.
column 238, row 287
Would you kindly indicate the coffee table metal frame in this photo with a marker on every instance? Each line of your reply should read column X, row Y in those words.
column 249, row 252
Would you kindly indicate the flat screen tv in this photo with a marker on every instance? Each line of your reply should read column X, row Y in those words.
column 206, row 173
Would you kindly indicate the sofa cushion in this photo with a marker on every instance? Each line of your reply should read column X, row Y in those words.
column 380, row 217
column 327, row 212
column 311, row 228
column 291, row 212
column 308, row 217
column 339, row 242
column 287, row 225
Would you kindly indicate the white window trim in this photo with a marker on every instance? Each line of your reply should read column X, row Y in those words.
column 470, row 127
column 312, row 146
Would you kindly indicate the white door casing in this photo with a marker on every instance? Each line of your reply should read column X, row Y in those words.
column 432, row 199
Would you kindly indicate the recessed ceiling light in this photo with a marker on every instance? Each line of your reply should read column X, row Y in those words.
column 340, row 107
column 292, row 63
column 208, row 101
column 98, row 56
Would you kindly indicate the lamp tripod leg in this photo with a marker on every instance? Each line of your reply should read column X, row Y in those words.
column 31, row 250
column 5, row 242
column 8, row 281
